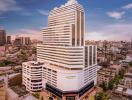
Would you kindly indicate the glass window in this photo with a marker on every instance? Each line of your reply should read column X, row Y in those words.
column 73, row 35
column 70, row 98
column 86, row 56
column 90, row 55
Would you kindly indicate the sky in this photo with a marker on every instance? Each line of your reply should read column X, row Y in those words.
column 105, row 19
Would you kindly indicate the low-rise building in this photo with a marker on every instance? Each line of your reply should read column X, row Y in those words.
column 125, row 62
column 105, row 75
column 124, row 88
column 124, row 92
column 128, row 80
column 116, row 68
column 32, row 76
column 129, row 57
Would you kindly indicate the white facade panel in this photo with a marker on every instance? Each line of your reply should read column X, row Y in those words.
column 69, row 81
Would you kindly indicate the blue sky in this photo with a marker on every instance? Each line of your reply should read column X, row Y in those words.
column 105, row 19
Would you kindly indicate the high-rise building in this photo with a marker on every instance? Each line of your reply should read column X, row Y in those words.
column 69, row 69
column 27, row 41
column 69, row 66
column 20, row 41
column 8, row 40
column 2, row 37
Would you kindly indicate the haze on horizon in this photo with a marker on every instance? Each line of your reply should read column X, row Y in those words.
column 105, row 20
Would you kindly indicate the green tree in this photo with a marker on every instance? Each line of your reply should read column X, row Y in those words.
column 22, row 56
column 36, row 94
column 2, row 64
column 121, row 74
column 5, row 63
column 116, row 80
column 130, row 64
column 101, row 96
column 111, row 84
column 104, row 86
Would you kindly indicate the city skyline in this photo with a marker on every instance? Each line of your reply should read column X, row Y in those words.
column 106, row 20
column 65, row 49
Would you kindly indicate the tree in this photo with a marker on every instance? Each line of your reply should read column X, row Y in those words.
column 121, row 74
column 2, row 64
column 36, row 94
column 130, row 64
column 102, row 96
column 22, row 56
column 91, row 98
column 111, row 84
column 116, row 80
column 104, row 86
column 5, row 63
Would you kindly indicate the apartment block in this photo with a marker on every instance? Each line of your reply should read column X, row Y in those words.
column 105, row 75
column 32, row 76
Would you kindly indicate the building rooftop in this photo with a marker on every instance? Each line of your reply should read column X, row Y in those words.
column 30, row 97
column 125, row 91
column 128, row 75
column 117, row 67
column 19, row 90
column 12, row 93
column 129, row 91
column 12, row 75
column 107, row 72
column 71, row 2
column 33, row 63
column 119, row 89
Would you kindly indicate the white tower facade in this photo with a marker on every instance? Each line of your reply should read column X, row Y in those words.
column 69, row 66
column 32, row 76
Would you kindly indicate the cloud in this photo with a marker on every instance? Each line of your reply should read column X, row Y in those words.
column 129, row 6
column 8, row 5
column 26, row 13
column 111, row 32
column 95, row 35
column 32, row 33
column 43, row 12
column 115, row 15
